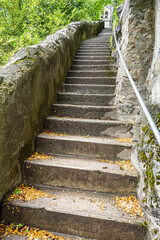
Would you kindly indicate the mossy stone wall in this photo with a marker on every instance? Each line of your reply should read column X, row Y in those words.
column 29, row 83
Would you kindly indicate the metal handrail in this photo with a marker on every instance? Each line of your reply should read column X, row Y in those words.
column 145, row 110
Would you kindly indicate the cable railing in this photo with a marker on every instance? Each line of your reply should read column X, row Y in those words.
column 145, row 110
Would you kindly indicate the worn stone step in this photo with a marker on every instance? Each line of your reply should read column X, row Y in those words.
column 99, row 39
column 93, row 62
column 103, row 148
column 94, row 49
column 91, row 52
column 93, row 215
column 87, row 112
column 89, row 89
column 101, row 73
column 91, row 80
column 96, row 41
column 86, row 99
column 93, row 67
column 81, row 174
column 91, row 127
column 42, row 235
column 97, row 45
column 93, row 57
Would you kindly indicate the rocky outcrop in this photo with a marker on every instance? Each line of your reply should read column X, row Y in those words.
column 136, row 43
column 28, row 87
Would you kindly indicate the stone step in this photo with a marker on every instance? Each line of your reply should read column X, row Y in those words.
column 91, row 127
column 14, row 236
column 83, row 146
column 86, row 52
column 99, row 39
column 93, row 57
column 93, row 215
column 108, row 45
column 96, row 41
column 86, row 112
column 101, row 73
column 93, row 62
column 81, row 174
column 93, row 67
column 95, row 46
column 94, row 49
column 86, row 99
column 89, row 89
column 91, row 80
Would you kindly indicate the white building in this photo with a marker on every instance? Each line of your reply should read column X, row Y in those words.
column 107, row 15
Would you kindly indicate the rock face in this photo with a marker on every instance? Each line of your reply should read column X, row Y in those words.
column 136, row 42
column 153, row 78
column 28, row 87
column 140, row 44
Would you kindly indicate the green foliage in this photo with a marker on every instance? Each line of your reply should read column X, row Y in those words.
column 117, row 4
column 17, row 191
column 27, row 22
column 149, row 155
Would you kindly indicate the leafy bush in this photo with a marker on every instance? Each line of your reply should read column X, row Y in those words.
column 27, row 22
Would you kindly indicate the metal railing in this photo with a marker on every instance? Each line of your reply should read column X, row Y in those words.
column 145, row 110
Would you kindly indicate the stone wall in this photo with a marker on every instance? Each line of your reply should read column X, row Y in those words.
column 28, row 86
column 139, row 39
column 136, row 43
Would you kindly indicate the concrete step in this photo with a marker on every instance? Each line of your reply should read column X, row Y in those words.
column 86, row 112
column 108, row 45
column 96, row 41
column 81, row 174
column 99, row 39
column 93, row 62
column 14, row 236
column 86, row 99
column 93, row 215
column 91, row 127
column 101, row 73
column 94, row 49
column 89, row 89
column 93, row 57
column 91, row 80
column 93, row 147
column 93, row 67
column 86, row 52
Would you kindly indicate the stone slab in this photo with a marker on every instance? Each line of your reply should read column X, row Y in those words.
column 101, row 148
column 91, row 80
column 107, row 73
column 79, row 173
column 92, row 215
column 87, row 112
column 86, row 99
column 90, row 127
column 89, row 89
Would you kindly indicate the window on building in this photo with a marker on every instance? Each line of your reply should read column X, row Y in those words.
column 106, row 14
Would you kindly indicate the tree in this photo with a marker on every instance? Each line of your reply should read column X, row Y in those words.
column 27, row 22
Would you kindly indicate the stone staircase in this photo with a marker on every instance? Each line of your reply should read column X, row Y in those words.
column 78, row 154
